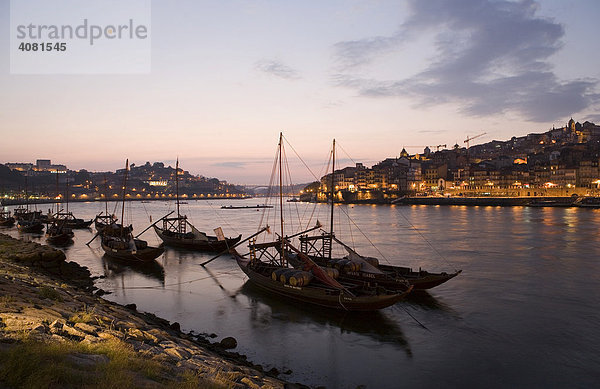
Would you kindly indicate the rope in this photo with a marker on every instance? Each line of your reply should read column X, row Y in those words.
column 425, row 239
column 366, row 237
column 222, row 219
column 414, row 318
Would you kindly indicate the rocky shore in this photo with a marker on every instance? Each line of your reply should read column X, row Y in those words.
column 49, row 307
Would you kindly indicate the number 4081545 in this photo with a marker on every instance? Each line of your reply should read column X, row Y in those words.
column 59, row 46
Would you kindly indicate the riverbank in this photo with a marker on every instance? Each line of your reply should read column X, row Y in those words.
column 56, row 331
column 538, row 201
column 16, row 202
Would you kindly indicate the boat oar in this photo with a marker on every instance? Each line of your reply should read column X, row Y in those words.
column 88, row 243
column 229, row 248
column 151, row 225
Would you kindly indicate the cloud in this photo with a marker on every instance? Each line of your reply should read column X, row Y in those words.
column 277, row 69
column 230, row 164
column 491, row 57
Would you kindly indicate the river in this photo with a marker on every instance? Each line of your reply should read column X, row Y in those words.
column 523, row 313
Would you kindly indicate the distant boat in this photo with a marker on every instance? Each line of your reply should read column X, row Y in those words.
column 179, row 232
column 588, row 202
column 246, row 206
column 28, row 221
column 67, row 219
column 118, row 241
column 59, row 234
column 6, row 220
column 551, row 203
column 105, row 218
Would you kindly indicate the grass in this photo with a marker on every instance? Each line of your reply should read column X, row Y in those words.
column 6, row 300
column 50, row 293
column 34, row 364
column 84, row 316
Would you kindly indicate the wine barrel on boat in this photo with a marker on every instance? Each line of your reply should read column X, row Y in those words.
column 284, row 277
column 372, row 261
column 300, row 278
column 332, row 272
column 277, row 273
column 344, row 265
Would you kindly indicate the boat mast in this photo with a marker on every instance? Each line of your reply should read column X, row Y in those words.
column 177, row 185
column 124, row 186
column 331, row 194
column 105, row 195
column 26, row 194
column 67, row 195
column 57, row 194
column 281, row 197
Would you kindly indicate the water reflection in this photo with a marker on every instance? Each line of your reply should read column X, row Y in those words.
column 425, row 300
column 115, row 269
column 376, row 325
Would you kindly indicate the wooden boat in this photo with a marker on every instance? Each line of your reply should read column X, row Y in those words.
column 103, row 220
column 357, row 268
column 129, row 248
column 179, row 232
column 118, row 241
column 259, row 206
column 193, row 239
column 6, row 220
column 268, row 266
column 22, row 213
column 318, row 291
column 28, row 221
column 71, row 221
column 58, row 234
column 31, row 225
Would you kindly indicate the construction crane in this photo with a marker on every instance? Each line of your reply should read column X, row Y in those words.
column 469, row 139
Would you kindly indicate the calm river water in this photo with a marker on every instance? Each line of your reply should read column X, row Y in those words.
column 524, row 312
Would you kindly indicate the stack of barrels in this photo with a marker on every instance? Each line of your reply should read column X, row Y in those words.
column 344, row 265
column 292, row 277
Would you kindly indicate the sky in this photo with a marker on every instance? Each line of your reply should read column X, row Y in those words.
column 227, row 76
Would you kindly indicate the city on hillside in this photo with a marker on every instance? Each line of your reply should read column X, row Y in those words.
column 44, row 180
column 560, row 162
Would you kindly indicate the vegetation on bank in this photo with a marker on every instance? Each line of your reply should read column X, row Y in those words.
column 111, row 364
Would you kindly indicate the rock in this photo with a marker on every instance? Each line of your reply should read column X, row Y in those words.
column 178, row 353
column 57, row 325
column 131, row 307
column 213, row 335
column 87, row 360
column 273, row 371
column 228, row 343
column 250, row 383
column 40, row 328
column 90, row 329
column 74, row 332
column 175, row 326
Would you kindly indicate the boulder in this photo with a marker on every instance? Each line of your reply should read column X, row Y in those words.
column 228, row 343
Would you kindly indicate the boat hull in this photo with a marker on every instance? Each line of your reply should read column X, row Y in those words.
column 8, row 222
column 395, row 277
column 146, row 254
column 60, row 239
column 317, row 295
column 29, row 226
column 212, row 244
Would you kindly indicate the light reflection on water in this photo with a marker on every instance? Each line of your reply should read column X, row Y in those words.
column 524, row 312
